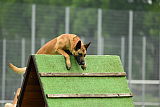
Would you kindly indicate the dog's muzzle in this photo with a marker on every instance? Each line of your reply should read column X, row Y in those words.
column 79, row 61
column 82, row 63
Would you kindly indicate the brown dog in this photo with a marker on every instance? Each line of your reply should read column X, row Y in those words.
column 64, row 44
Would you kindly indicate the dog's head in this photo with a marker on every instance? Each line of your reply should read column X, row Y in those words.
column 80, row 51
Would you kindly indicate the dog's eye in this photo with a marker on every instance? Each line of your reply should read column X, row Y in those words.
column 84, row 55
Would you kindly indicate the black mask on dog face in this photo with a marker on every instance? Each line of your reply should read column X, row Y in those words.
column 80, row 59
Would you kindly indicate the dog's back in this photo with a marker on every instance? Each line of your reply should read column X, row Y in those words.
column 62, row 41
column 48, row 47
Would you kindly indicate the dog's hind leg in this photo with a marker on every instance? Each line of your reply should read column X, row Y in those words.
column 67, row 57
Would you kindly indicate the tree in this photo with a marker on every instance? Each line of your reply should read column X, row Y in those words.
column 15, row 20
column 84, row 21
column 152, row 29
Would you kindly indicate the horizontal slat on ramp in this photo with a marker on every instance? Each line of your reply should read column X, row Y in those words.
column 89, row 95
column 116, row 74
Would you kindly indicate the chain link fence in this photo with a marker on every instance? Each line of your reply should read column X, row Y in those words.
column 133, row 35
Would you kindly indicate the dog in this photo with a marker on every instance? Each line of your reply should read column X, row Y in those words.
column 65, row 44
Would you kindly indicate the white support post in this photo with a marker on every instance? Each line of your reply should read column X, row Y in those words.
column 100, row 40
column 67, row 19
column 22, row 55
column 33, row 28
column 130, row 46
column 42, row 41
column 159, row 64
column 123, row 50
column 23, row 52
column 143, row 68
column 4, row 70
column 83, row 39
column 143, row 58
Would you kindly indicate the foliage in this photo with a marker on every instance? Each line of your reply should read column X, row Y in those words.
column 84, row 21
column 151, row 23
column 15, row 20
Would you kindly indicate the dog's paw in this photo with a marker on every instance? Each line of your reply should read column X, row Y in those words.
column 83, row 67
column 68, row 67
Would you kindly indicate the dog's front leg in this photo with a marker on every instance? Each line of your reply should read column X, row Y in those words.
column 68, row 63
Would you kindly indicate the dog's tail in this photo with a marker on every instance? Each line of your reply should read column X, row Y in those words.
column 16, row 69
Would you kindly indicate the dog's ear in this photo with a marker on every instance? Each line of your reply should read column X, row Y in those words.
column 78, row 45
column 87, row 45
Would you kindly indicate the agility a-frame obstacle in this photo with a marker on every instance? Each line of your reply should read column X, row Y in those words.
column 31, row 94
column 47, row 83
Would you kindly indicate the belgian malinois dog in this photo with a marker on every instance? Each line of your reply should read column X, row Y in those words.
column 65, row 45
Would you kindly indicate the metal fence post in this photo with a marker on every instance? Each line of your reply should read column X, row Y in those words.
column 143, row 68
column 67, row 18
column 100, row 40
column 83, row 39
column 4, row 70
column 159, row 65
column 130, row 46
column 123, row 50
column 33, row 28
column 22, row 55
column 42, row 41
